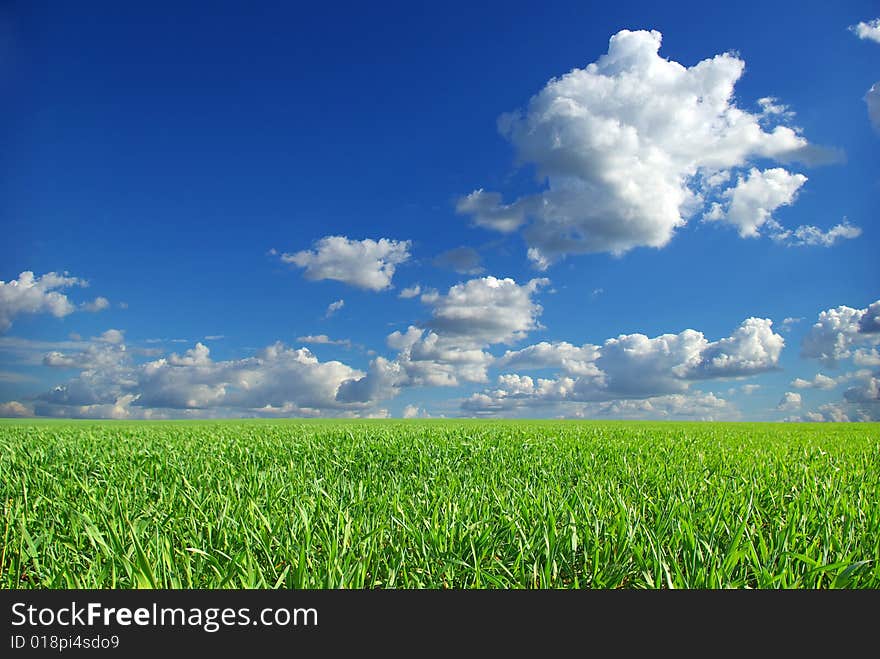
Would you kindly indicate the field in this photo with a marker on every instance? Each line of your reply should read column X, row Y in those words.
column 439, row 504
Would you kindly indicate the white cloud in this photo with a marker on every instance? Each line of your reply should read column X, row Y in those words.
column 112, row 336
column 863, row 357
column 98, row 304
column 277, row 376
column 870, row 30
column 751, row 202
column 333, row 307
column 749, row 389
column 524, row 403
column 563, row 356
column 487, row 211
column 106, row 350
column 196, row 356
column 872, row 100
column 464, row 260
column 819, row 381
column 771, row 108
column 752, row 348
column 867, row 30
column 367, row 264
column 629, row 147
column 450, row 348
column 789, row 402
column 839, row 332
column 486, row 310
column 323, row 339
column 30, row 295
column 845, row 333
column 635, row 366
column 14, row 409
column 424, row 358
column 630, row 367
column 414, row 412
column 810, row 236
column 860, row 404
column 438, row 360
column 278, row 380
column 382, row 381
column 697, row 406
column 410, row 292
column 830, row 412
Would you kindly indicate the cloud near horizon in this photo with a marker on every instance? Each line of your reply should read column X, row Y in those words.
column 629, row 367
column 630, row 376
column 842, row 335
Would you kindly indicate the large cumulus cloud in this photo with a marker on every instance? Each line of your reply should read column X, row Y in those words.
column 277, row 380
column 630, row 367
column 842, row 336
column 633, row 145
column 841, row 333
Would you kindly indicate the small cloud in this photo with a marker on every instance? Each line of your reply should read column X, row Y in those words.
column 430, row 295
column 333, row 307
column 113, row 336
column 367, row 264
column 324, row 339
column 807, row 235
column 771, row 108
column 414, row 412
column 869, row 30
column 123, row 305
column 790, row 401
column 597, row 292
column 747, row 389
column 215, row 337
column 412, row 291
column 98, row 304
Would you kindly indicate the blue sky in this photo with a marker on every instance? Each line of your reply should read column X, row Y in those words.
column 609, row 212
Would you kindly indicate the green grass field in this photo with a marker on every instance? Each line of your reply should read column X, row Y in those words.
column 439, row 504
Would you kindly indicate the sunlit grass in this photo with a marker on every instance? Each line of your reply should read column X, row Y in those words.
column 439, row 504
